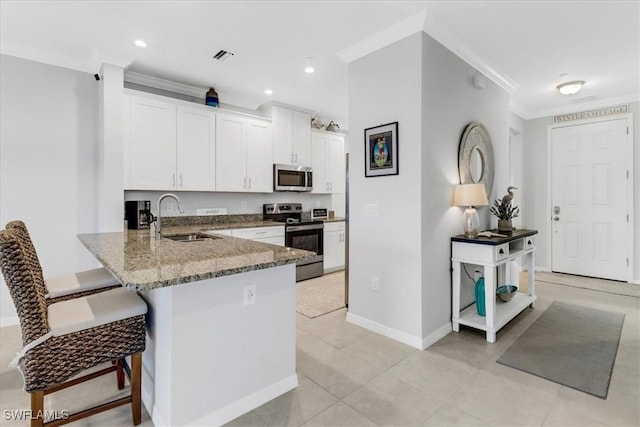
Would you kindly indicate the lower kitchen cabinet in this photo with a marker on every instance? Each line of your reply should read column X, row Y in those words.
column 334, row 244
column 273, row 235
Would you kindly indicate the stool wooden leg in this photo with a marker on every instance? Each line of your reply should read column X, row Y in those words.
column 119, row 373
column 136, row 388
column 37, row 409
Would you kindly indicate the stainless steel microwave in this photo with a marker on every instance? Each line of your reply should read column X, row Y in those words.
column 292, row 178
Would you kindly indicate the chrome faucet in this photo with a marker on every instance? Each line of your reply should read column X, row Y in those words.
column 158, row 218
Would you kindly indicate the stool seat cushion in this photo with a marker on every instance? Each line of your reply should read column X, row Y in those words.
column 79, row 282
column 78, row 314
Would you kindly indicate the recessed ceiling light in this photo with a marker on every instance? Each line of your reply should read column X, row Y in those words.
column 268, row 91
column 140, row 43
column 309, row 68
column 570, row 88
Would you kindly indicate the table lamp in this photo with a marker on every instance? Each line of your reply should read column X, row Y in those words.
column 470, row 195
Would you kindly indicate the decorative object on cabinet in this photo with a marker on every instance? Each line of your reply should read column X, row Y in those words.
column 469, row 196
column 317, row 124
column 505, row 211
column 475, row 157
column 211, row 98
column 479, row 292
column 381, row 150
column 333, row 127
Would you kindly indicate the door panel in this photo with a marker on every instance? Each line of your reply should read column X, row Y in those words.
column 589, row 186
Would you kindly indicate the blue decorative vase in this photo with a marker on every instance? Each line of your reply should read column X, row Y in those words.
column 211, row 98
column 479, row 290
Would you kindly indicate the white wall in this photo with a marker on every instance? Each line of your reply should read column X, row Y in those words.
column 48, row 158
column 535, row 149
column 450, row 103
column 428, row 90
column 385, row 86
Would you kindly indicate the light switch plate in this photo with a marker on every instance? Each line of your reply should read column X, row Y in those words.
column 371, row 210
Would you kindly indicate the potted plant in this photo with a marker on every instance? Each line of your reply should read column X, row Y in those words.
column 505, row 211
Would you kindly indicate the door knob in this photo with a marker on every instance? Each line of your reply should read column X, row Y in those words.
column 556, row 218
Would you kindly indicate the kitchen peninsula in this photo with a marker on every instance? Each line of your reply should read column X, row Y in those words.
column 221, row 322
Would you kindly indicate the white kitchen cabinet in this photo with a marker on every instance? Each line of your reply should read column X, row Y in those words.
column 243, row 154
column 150, row 144
column 328, row 162
column 291, row 136
column 168, row 146
column 273, row 235
column 334, row 246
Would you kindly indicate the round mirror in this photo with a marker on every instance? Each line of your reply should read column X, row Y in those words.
column 475, row 157
column 475, row 165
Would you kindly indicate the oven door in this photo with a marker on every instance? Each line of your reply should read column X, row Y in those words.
column 309, row 237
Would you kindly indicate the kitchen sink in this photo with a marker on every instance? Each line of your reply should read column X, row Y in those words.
column 191, row 237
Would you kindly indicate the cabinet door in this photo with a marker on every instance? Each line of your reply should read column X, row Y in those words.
column 259, row 153
column 332, row 250
column 301, row 138
column 230, row 153
column 196, row 149
column 282, row 135
column 336, row 165
column 318, row 162
column 151, row 144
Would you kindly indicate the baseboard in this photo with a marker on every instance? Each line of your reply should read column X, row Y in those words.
column 438, row 334
column 9, row 321
column 248, row 403
column 543, row 269
column 385, row 330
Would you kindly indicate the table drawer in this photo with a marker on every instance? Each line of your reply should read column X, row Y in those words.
column 501, row 252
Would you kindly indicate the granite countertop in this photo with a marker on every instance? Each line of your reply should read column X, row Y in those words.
column 140, row 262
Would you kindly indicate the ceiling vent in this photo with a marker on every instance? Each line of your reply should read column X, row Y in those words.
column 223, row 55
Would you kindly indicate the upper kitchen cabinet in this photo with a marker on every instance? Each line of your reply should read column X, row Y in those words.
column 243, row 154
column 168, row 146
column 291, row 135
column 328, row 162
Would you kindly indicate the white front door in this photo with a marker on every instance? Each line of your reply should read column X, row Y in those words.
column 589, row 181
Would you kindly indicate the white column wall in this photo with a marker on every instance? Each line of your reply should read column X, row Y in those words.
column 48, row 158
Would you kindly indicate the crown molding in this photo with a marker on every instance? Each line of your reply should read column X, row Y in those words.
column 423, row 21
column 572, row 108
column 47, row 57
column 168, row 85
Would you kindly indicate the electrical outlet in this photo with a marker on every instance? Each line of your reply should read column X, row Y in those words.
column 375, row 284
column 371, row 210
column 244, row 204
column 249, row 295
column 169, row 206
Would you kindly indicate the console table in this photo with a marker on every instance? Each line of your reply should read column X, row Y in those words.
column 493, row 253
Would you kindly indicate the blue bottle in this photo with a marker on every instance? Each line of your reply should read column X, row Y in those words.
column 211, row 99
column 479, row 290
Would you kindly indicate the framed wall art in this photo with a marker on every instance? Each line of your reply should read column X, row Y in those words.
column 381, row 150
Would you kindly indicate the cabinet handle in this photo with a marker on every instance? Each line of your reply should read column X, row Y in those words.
column 292, row 158
column 244, row 183
column 528, row 242
column 331, row 186
column 181, row 182
column 249, row 183
column 174, row 179
column 501, row 251
column 296, row 154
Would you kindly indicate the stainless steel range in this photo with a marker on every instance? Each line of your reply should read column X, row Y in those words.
column 300, row 234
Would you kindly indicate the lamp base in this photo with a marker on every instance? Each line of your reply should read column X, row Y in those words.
column 471, row 224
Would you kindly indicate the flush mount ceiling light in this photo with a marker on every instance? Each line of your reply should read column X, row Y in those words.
column 570, row 88
column 268, row 91
column 140, row 43
column 309, row 67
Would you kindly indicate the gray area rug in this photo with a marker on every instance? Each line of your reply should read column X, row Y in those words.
column 571, row 345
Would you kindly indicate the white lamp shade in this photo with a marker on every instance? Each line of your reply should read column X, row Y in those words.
column 470, row 195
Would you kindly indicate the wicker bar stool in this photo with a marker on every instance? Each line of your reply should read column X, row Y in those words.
column 61, row 288
column 65, row 338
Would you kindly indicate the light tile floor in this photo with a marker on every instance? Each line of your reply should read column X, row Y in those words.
column 352, row 377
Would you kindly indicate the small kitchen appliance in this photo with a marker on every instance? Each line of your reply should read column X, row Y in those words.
column 292, row 178
column 138, row 214
column 319, row 214
column 299, row 234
